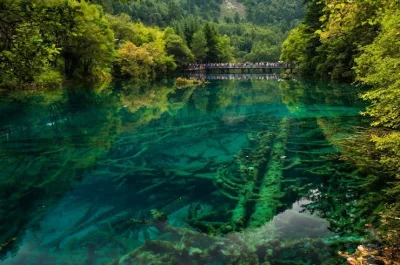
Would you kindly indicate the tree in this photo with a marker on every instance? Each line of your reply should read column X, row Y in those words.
column 236, row 18
column 294, row 48
column 122, row 26
column 212, row 41
column 228, row 20
column 152, row 39
column 224, row 48
column 262, row 51
column 199, row 46
column 88, row 48
column 134, row 61
column 36, row 33
column 175, row 46
column 379, row 66
column 27, row 50
column 27, row 59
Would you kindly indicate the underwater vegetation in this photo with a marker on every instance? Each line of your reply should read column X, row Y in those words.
column 185, row 246
column 5, row 247
column 240, row 172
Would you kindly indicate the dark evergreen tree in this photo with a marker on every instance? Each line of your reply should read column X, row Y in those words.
column 211, row 35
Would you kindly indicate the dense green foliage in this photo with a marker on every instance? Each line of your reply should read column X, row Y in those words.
column 163, row 13
column 43, row 43
column 378, row 66
column 177, row 47
column 199, row 45
column 333, row 35
column 142, row 51
column 255, row 34
column 360, row 41
column 284, row 13
column 357, row 40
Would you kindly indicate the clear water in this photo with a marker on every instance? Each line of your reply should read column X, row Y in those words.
column 236, row 172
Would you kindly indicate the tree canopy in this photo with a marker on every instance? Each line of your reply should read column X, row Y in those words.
column 43, row 43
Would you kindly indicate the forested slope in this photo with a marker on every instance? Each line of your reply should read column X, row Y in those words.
column 283, row 13
column 256, row 28
column 43, row 43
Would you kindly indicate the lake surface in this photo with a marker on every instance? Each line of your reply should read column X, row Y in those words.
column 236, row 172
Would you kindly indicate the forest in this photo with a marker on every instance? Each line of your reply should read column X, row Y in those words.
column 53, row 41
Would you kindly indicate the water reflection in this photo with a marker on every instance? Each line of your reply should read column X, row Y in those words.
column 208, row 175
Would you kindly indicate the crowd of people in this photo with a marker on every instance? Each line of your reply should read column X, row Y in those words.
column 235, row 76
column 259, row 65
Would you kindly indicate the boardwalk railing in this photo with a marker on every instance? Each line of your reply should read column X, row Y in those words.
column 260, row 65
column 200, row 76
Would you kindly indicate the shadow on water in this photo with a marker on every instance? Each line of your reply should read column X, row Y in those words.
column 235, row 172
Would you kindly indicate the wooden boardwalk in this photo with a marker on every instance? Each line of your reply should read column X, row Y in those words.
column 241, row 66
column 232, row 76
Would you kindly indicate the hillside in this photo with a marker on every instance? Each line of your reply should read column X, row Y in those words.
column 95, row 40
column 285, row 13
column 232, row 10
column 256, row 28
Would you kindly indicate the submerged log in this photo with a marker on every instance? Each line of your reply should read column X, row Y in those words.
column 251, row 172
column 270, row 185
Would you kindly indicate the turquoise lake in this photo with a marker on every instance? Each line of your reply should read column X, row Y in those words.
column 241, row 171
